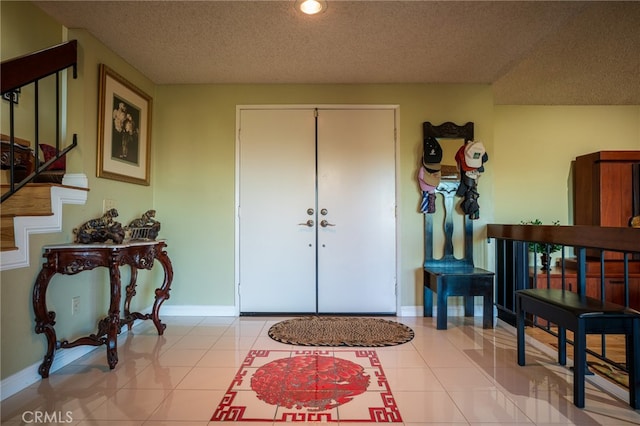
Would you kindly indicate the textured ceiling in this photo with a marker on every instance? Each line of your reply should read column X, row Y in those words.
column 536, row 52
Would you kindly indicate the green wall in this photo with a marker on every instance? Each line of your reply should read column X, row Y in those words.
column 17, row 39
column 193, row 176
column 195, row 167
column 534, row 150
column 26, row 29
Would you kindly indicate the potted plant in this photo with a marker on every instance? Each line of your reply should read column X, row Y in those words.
column 543, row 248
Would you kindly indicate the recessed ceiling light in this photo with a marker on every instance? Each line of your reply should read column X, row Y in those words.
column 311, row 7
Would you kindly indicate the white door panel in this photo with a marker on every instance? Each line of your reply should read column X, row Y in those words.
column 277, row 187
column 356, row 186
column 287, row 166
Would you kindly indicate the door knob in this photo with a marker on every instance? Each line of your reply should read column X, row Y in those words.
column 326, row 223
column 308, row 223
column 310, row 211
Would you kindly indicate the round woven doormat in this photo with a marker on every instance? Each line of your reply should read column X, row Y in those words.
column 340, row 331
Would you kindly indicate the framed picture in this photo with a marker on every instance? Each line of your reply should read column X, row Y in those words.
column 124, row 129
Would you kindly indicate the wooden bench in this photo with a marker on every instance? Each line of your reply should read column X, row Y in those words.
column 583, row 315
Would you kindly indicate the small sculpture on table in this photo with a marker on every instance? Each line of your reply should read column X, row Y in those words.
column 145, row 227
column 101, row 229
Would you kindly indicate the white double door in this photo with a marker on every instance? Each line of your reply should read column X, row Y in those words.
column 316, row 210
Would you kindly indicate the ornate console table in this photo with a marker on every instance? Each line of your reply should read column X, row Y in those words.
column 70, row 259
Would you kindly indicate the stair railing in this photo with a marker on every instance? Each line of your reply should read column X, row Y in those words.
column 29, row 69
column 514, row 271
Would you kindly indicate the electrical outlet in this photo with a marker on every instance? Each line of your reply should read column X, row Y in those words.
column 75, row 305
column 108, row 204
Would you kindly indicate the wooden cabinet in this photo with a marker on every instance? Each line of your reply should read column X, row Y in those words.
column 606, row 190
column 613, row 284
column 614, row 289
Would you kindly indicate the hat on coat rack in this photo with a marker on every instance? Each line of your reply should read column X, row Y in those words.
column 473, row 153
column 431, row 154
column 428, row 180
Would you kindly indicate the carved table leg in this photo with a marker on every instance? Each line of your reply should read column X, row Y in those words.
column 162, row 293
column 114, row 314
column 45, row 320
column 130, row 292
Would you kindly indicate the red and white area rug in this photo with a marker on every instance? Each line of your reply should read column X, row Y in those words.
column 311, row 385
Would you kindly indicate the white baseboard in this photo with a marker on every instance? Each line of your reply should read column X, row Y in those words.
column 231, row 311
column 28, row 376
column 199, row 311
column 452, row 311
column 410, row 311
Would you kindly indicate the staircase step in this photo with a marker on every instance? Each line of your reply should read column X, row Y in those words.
column 35, row 209
column 7, row 237
column 31, row 200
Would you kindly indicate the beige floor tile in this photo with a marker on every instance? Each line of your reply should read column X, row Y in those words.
column 130, row 404
column 267, row 342
column 489, row 356
column 608, row 410
column 446, row 424
column 182, row 320
column 209, row 330
column 466, row 378
column 461, row 376
column 219, row 321
column 187, row 405
column 247, row 328
column 84, row 377
column 222, row 358
column 428, row 407
column 150, row 343
column 198, row 341
column 489, row 406
column 171, row 330
column 213, row 378
column 412, row 379
column 79, row 402
column 398, row 359
column 178, row 356
column 444, row 355
column 158, row 377
column 234, row 343
column 519, row 380
column 549, row 407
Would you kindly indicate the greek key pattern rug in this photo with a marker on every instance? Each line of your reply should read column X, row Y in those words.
column 309, row 386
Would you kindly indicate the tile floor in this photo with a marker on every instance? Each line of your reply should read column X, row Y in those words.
column 199, row 371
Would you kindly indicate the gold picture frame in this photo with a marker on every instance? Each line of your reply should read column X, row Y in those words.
column 124, row 129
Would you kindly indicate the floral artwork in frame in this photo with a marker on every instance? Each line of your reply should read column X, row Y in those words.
column 124, row 129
